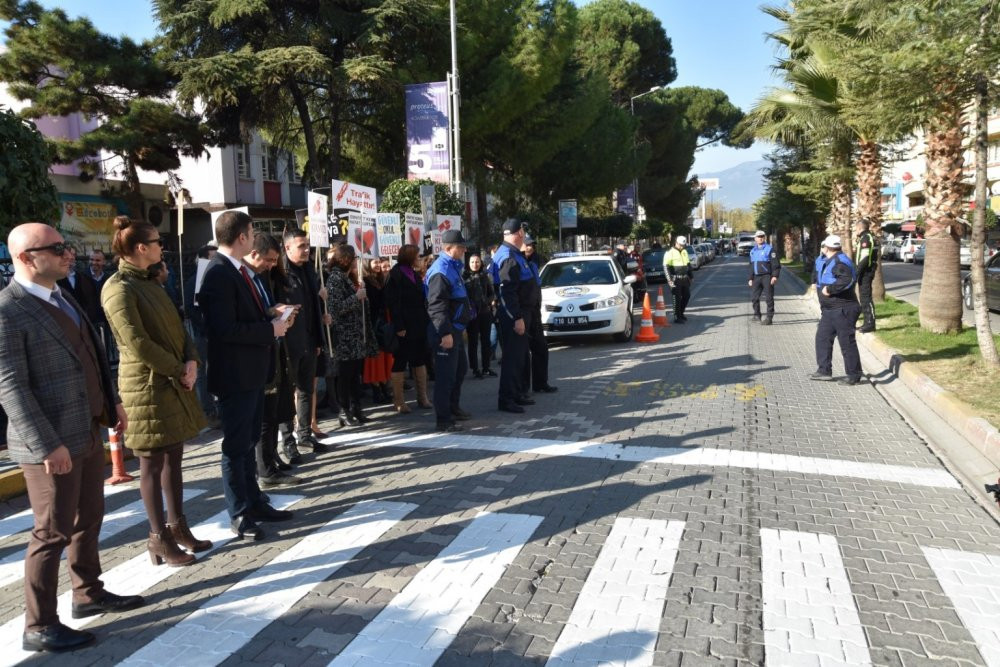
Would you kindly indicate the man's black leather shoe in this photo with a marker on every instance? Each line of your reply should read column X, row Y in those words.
column 866, row 329
column 247, row 528
column 264, row 512
column 56, row 638
column 460, row 415
column 547, row 389
column 511, row 407
column 822, row 377
column 849, row 381
column 312, row 443
column 524, row 400
column 109, row 603
column 448, row 427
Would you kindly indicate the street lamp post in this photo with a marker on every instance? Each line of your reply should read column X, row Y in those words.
column 635, row 179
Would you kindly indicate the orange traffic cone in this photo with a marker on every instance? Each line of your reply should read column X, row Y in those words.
column 646, row 332
column 660, row 312
column 118, row 474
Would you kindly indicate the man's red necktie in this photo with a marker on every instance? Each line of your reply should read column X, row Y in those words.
column 253, row 290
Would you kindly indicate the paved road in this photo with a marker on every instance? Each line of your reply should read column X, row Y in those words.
column 696, row 501
column 903, row 281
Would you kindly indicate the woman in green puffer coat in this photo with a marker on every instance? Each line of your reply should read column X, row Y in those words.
column 156, row 375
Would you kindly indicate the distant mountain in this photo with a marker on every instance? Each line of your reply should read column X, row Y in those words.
column 741, row 185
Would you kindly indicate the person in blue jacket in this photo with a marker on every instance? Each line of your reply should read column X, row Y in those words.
column 764, row 271
column 450, row 312
column 839, row 309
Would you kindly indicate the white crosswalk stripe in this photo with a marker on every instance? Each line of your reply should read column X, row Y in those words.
column 12, row 567
column 616, row 618
column 132, row 577
column 972, row 582
column 423, row 620
column 24, row 520
column 227, row 622
column 809, row 612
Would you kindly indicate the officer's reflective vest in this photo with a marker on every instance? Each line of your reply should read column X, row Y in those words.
column 761, row 255
column 826, row 277
column 451, row 269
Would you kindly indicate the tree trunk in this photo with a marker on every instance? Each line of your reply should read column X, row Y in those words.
column 940, row 290
column 133, row 190
column 790, row 237
column 984, row 332
column 840, row 214
column 310, row 173
column 870, row 203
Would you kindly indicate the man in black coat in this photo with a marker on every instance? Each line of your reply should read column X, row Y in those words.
column 83, row 288
column 240, row 360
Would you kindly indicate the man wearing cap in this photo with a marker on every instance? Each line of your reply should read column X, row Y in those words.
column 839, row 311
column 677, row 266
column 515, row 287
column 865, row 260
column 764, row 271
column 536, row 367
column 450, row 311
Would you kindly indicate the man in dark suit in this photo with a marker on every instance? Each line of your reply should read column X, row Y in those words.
column 240, row 336
column 57, row 390
column 83, row 288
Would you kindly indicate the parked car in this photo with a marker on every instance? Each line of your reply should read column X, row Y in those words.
column 890, row 250
column 710, row 250
column 652, row 263
column 908, row 247
column 745, row 244
column 992, row 285
column 965, row 254
column 694, row 257
column 918, row 256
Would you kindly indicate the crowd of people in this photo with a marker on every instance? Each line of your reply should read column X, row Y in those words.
column 264, row 328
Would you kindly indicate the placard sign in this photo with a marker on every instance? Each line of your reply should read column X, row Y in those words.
column 447, row 223
column 319, row 233
column 436, row 246
column 354, row 231
column 415, row 229
column 390, row 239
column 368, row 238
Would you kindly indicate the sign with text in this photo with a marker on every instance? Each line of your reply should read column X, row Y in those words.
column 90, row 224
column 447, row 223
column 354, row 231
column 709, row 183
column 368, row 238
column 389, row 237
column 625, row 200
column 567, row 214
column 349, row 197
column 319, row 233
column 436, row 245
column 414, row 229
column 427, row 132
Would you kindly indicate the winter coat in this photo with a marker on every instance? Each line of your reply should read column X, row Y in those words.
column 154, row 347
column 348, row 317
column 407, row 303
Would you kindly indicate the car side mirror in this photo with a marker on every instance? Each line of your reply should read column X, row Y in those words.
column 629, row 280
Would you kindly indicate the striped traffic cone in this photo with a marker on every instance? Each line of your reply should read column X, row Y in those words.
column 118, row 474
column 646, row 332
column 660, row 312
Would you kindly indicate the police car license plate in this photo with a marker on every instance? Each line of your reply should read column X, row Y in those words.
column 571, row 320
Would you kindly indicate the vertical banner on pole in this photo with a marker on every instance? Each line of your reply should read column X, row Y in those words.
column 428, row 206
column 427, row 140
column 388, row 233
column 319, row 233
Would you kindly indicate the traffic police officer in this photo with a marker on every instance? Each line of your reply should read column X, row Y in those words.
column 677, row 266
column 866, row 260
column 764, row 271
column 536, row 367
column 516, row 292
column 450, row 311
column 839, row 310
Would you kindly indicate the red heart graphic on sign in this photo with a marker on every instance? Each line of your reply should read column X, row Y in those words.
column 415, row 236
column 369, row 241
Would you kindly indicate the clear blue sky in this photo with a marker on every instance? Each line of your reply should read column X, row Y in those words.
column 717, row 44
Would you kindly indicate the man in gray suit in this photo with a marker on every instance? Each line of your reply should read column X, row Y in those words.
column 57, row 391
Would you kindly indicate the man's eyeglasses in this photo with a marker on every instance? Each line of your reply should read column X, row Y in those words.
column 57, row 249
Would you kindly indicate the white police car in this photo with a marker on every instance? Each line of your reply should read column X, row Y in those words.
column 586, row 294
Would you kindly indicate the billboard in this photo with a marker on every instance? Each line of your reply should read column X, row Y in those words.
column 567, row 214
column 625, row 200
column 709, row 183
column 427, row 145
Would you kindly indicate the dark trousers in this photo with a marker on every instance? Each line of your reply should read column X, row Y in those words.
column 536, row 362
column 515, row 350
column 349, row 384
column 762, row 284
column 451, row 367
column 68, row 511
column 478, row 333
column 865, row 293
column 681, row 294
column 241, row 421
column 837, row 321
column 302, row 372
column 201, row 384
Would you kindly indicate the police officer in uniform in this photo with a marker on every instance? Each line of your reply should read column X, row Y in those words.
column 450, row 311
column 677, row 266
column 865, row 261
column 536, row 367
column 516, row 293
column 839, row 311
column 764, row 271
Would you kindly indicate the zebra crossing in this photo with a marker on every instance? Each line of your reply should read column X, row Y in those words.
column 810, row 615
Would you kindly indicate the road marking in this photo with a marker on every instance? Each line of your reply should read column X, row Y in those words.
column 423, row 620
column 227, row 622
column 972, row 582
column 616, row 618
column 809, row 613
column 12, row 567
column 25, row 520
column 133, row 577
column 681, row 456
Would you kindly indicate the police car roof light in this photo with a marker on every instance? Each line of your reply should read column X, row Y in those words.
column 589, row 253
